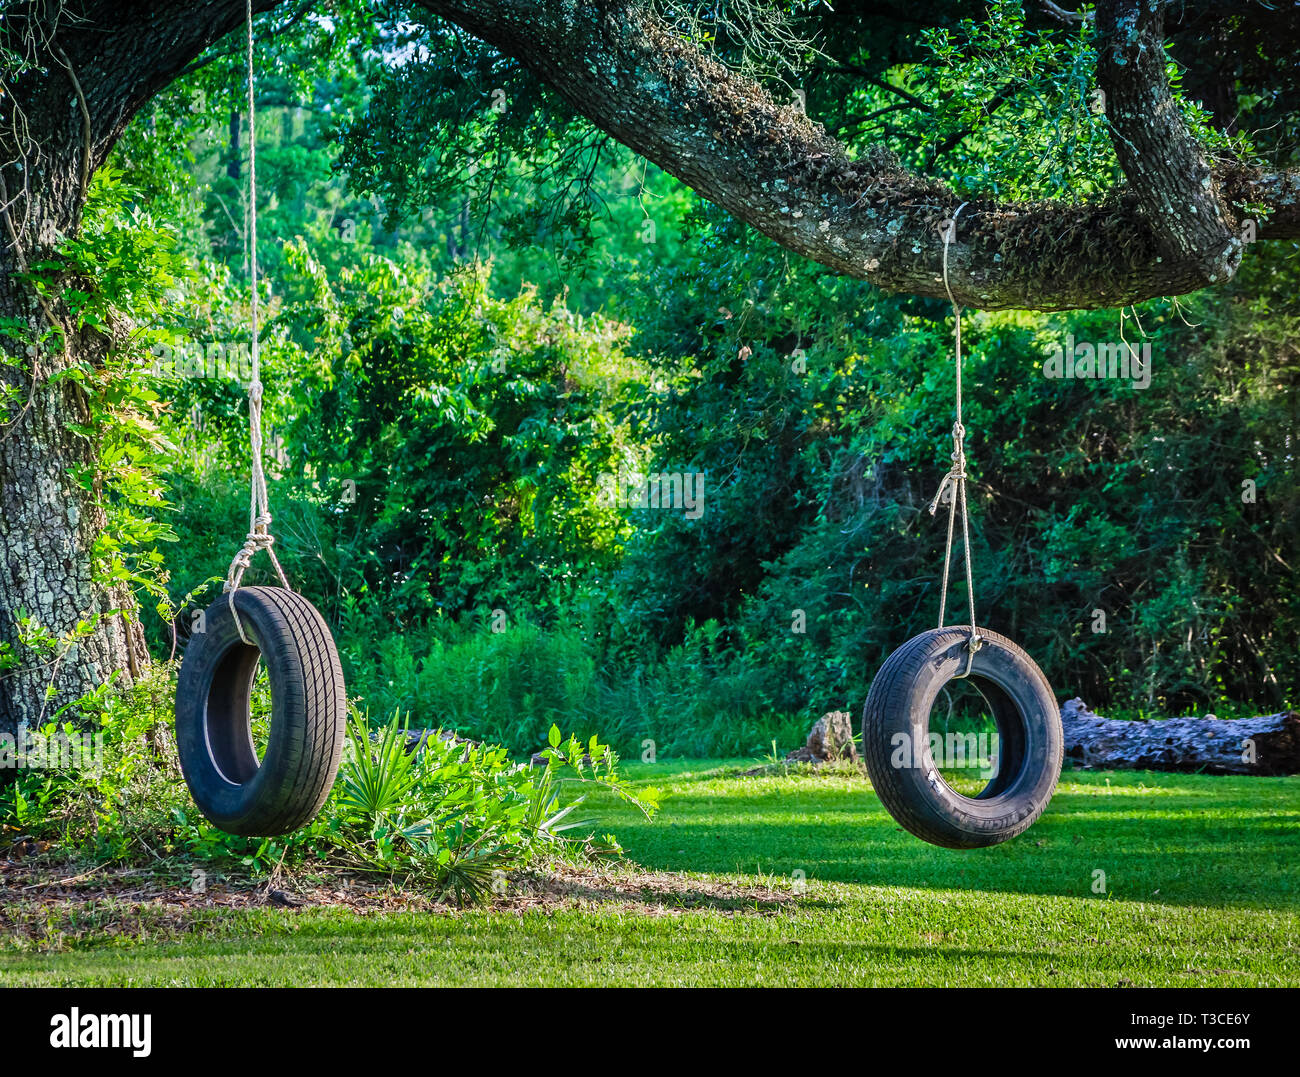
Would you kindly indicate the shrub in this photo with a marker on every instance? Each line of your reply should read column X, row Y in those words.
column 455, row 816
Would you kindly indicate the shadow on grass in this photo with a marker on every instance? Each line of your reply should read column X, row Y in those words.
column 1168, row 839
column 681, row 896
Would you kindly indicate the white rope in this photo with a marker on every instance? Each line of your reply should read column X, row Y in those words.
column 259, row 510
column 955, row 479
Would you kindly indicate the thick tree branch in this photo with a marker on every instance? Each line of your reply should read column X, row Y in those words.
column 867, row 217
column 1164, row 164
column 1170, row 231
column 114, row 55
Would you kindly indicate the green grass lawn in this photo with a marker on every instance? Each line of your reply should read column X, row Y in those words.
column 1201, row 877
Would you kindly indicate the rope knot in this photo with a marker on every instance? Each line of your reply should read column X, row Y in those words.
column 949, row 480
column 257, row 539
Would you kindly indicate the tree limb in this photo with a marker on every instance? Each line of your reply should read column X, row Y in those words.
column 1164, row 164
column 867, row 217
column 1062, row 15
column 1171, row 230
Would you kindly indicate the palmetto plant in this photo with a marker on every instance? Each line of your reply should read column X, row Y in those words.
column 462, row 814
column 378, row 777
column 545, row 815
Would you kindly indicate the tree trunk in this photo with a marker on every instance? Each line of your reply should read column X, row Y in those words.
column 1268, row 744
column 48, row 521
column 84, row 78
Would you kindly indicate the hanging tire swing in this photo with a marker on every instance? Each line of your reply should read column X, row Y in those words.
column 287, row 786
column 1030, row 741
column 235, row 788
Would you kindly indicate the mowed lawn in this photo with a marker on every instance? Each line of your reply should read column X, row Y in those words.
column 1201, row 887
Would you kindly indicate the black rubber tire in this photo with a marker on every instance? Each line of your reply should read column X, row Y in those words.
column 308, row 713
column 1030, row 739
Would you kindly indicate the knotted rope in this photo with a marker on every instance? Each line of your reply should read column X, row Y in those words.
column 955, row 479
column 259, row 510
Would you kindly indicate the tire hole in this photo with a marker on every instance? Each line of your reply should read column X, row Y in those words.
column 963, row 742
column 229, row 719
column 259, row 711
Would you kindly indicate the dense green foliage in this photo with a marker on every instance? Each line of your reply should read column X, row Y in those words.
column 479, row 309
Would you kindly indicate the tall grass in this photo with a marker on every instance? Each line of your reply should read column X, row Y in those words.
column 510, row 687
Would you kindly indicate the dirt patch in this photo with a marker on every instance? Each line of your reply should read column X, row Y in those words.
column 46, row 905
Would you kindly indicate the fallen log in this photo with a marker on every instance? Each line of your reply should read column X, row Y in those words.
column 1268, row 744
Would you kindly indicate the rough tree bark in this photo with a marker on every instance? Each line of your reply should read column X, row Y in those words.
column 1267, row 744
column 47, row 521
column 1169, row 231
column 1166, row 167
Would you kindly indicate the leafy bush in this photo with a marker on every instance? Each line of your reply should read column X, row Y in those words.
column 455, row 816
column 472, row 406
